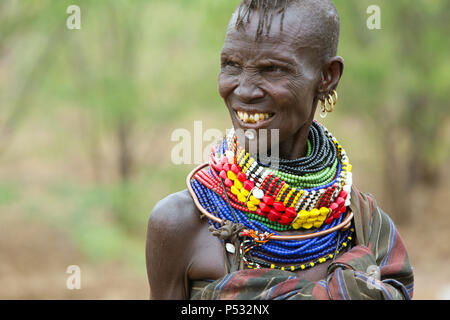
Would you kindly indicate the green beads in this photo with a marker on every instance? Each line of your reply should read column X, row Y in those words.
column 312, row 180
column 268, row 223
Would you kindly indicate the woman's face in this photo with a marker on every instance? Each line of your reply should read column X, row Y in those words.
column 271, row 83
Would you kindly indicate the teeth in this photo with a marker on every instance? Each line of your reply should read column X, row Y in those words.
column 252, row 117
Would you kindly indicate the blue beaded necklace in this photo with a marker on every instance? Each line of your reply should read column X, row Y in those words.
column 298, row 254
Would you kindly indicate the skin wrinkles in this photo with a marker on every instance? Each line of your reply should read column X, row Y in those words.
column 288, row 90
column 284, row 74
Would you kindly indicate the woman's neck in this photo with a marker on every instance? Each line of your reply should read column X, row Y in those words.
column 295, row 146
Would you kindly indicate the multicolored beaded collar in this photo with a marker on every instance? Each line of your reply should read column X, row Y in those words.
column 309, row 193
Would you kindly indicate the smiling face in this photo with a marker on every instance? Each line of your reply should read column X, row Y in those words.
column 272, row 83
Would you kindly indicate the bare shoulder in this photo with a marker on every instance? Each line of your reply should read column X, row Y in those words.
column 176, row 212
column 172, row 226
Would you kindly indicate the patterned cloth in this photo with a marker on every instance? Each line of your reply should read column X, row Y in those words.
column 378, row 267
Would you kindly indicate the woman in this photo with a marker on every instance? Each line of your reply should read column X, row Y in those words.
column 294, row 227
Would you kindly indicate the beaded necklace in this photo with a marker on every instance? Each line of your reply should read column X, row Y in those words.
column 310, row 193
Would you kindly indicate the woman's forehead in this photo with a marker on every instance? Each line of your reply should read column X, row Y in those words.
column 287, row 35
column 261, row 50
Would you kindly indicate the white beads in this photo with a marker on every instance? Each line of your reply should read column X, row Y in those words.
column 258, row 193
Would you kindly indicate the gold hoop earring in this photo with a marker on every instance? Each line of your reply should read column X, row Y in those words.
column 327, row 104
column 330, row 107
column 335, row 96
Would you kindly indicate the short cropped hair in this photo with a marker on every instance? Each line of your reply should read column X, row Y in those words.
column 321, row 16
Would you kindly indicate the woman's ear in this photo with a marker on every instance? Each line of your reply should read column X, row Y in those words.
column 331, row 74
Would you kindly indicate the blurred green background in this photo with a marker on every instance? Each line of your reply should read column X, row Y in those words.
column 86, row 118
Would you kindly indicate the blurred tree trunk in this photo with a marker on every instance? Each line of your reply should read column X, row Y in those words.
column 395, row 186
column 125, row 155
column 408, row 170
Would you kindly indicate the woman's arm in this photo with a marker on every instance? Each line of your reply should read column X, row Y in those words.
column 166, row 248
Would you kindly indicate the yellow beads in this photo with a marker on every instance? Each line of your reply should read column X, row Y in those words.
column 247, row 165
column 245, row 192
column 254, row 201
column 304, row 266
column 234, row 190
column 317, row 224
column 308, row 219
column 241, row 197
column 286, row 200
column 239, row 185
column 231, row 175
column 297, row 197
column 307, row 225
column 280, row 193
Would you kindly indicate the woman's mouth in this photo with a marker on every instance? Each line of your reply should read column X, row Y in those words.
column 253, row 117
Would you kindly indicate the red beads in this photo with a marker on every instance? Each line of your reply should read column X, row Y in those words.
column 337, row 207
column 340, row 202
column 223, row 174
column 268, row 200
column 241, row 177
column 343, row 194
column 285, row 220
column 290, row 212
column 276, row 211
column 264, row 207
column 249, row 185
column 217, row 166
column 333, row 207
column 228, row 183
column 235, row 169
column 226, row 167
column 279, row 206
column 273, row 215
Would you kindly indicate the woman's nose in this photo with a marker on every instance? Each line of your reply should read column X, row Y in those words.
column 247, row 91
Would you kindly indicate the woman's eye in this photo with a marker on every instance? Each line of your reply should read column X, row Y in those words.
column 231, row 67
column 232, row 64
column 273, row 69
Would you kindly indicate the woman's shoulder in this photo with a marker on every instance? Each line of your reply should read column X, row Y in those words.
column 174, row 212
